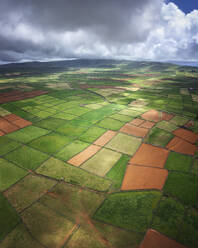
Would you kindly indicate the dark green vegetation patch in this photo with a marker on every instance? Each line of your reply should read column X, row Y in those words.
column 158, row 137
column 168, row 217
column 183, row 186
column 178, row 162
column 8, row 217
column 131, row 210
column 27, row 157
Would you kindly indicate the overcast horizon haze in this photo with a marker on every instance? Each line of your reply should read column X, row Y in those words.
column 157, row 30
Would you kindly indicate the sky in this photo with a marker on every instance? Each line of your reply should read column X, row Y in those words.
column 186, row 5
column 104, row 29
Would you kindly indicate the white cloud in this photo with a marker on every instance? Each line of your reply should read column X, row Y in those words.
column 151, row 30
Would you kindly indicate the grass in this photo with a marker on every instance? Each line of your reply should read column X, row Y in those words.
column 110, row 123
column 8, row 146
column 123, row 118
column 27, row 134
column 92, row 134
column 8, row 217
column 178, row 162
column 50, row 233
column 81, row 203
column 71, row 130
column 130, row 210
column 20, row 237
column 77, row 111
column 188, row 229
column 158, row 137
column 117, row 172
column 64, row 116
column 130, row 112
column 72, row 149
column 182, row 186
column 50, row 143
column 179, row 120
column 27, row 157
column 87, row 237
column 124, row 143
column 28, row 190
column 167, row 126
column 50, row 123
column 195, row 167
column 9, row 174
column 101, row 162
column 168, row 216
column 57, row 169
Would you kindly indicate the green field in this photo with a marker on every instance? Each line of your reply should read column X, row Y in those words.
column 62, row 174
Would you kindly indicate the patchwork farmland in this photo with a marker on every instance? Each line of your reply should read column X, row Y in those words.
column 98, row 153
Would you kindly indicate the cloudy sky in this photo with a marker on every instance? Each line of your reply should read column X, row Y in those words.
column 119, row 29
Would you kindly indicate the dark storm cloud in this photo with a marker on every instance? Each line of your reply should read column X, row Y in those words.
column 112, row 19
column 45, row 29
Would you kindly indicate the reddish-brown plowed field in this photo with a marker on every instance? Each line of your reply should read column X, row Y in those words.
column 149, row 155
column 141, row 177
column 17, row 95
column 153, row 239
column 181, row 146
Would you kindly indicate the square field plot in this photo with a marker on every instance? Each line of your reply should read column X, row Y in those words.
column 105, row 138
column 141, row 177
column 129, row 112
column 137, row 122
column 7, row 127
column 183, row 186
column 19, row 194
column 168, row 217
column 110, row 123
column 27, row 157
column 8, row 217
column 143, row 156
column 27, row 134
column 9, row 174
column 133, row 130
column 71, row 130
column 49, row 228
column 50, row 123
column 152, row 115
column 179, row 120
column 186, row 135
column 124, row 143
column 72, row 202
column 167, row 126
column 59, row 170
column 154, row 239
column 178, row 162
column 7, row 145
column 147, row 124
column 92, row 134
column 181, row 146
column 72, row 149
column 84, row 155
column 123, row 118
column 50, row 143
column 87, row 237
column 102, row 162
column 64, row 116
column 158, row 137
column 120, row 209
column 23, row 238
